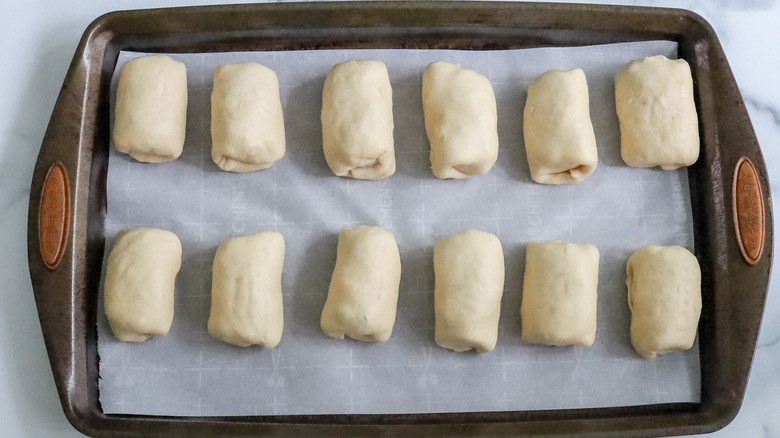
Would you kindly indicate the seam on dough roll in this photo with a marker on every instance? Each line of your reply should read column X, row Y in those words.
column 357, row 120
column 559, row 140
column 461, row 120
column 247, row 124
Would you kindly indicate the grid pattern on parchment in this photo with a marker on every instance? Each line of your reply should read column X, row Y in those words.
column 617, row 208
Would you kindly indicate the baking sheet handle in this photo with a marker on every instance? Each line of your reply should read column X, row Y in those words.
column 748, row 211
column 54, row 216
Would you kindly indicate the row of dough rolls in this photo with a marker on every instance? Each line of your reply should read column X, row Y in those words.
column 559, row 302
column 247, row 125
column 246, row 295
column 653, row 96
column 559, row 292
column 656, row 112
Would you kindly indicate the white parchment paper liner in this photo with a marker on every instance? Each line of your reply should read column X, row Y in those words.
column 617, row 208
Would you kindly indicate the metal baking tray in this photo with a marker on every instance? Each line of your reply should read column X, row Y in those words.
column 730, row 200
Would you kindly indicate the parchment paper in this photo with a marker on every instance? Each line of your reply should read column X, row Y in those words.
column 617, row 208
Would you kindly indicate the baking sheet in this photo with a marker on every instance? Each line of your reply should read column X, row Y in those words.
column 617, row 208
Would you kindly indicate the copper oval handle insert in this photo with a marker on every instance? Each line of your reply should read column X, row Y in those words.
column 748, row 205
column 54, row 215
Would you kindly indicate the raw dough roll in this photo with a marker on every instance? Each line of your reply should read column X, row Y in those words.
column 363, row 291
column 658, row 122
column 560, row 293
column 664, row 295
column 559, row 140
column 247, row 127
column 460, row 119
column 246, row 290
column 469, row 283
column 151, row 109
column 357, row 120
column 140, row 278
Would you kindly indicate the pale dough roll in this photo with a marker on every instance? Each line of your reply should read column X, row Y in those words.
column 246, row 290
column 247, row 127
column 151, row 109
column 469, row 283
column 664, row 295
column 461, row 120
column 363, row 292
column 357, row 120
column 559, row 139
column 140, row 278
column 658, row 121
column 560, row 293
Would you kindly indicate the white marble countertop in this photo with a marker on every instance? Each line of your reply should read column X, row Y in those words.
column 40, row 38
